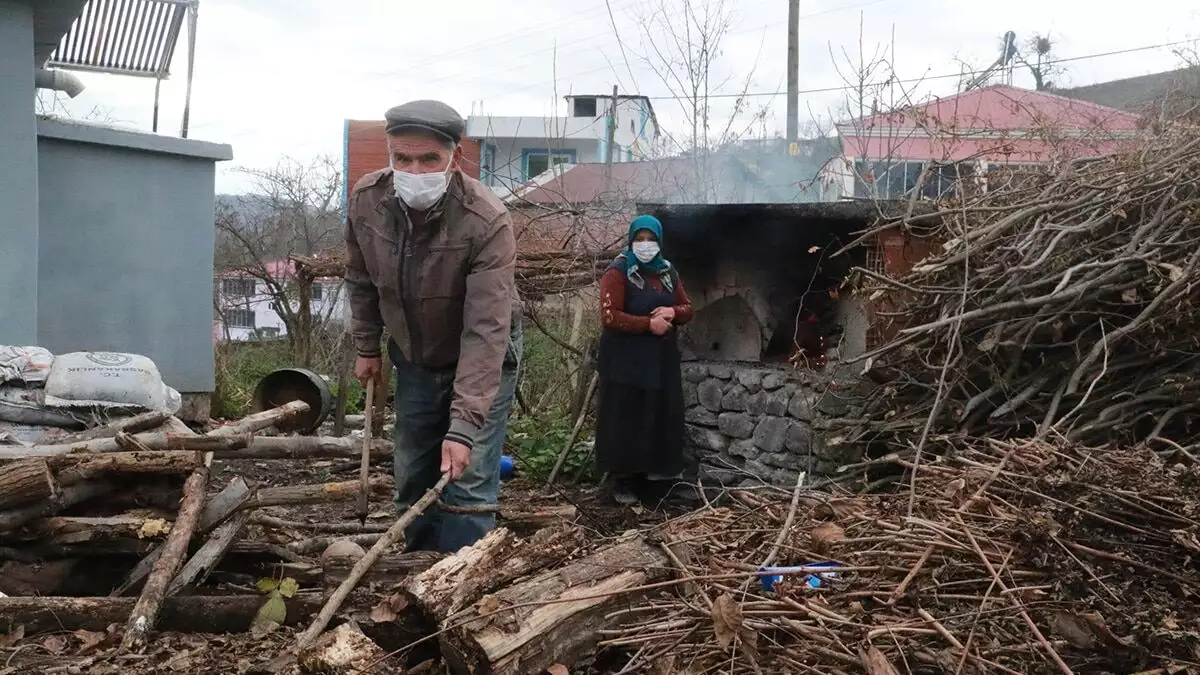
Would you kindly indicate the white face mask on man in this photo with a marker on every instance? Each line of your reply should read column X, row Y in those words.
column 645, row 251
column 421, row 190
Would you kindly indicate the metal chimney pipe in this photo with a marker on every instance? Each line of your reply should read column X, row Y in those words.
column 58, row 80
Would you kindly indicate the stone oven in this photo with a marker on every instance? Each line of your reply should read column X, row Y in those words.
column 763, row 356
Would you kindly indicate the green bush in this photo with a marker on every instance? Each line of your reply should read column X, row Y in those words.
column 240, row 366
column 536, row 441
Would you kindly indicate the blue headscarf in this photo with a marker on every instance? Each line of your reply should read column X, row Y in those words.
column 660, row 266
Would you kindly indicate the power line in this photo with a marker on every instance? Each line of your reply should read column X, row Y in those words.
column 918, row 80
column 490, row 44
column 538, row 85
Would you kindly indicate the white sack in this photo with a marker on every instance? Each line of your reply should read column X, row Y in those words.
column 109, row 380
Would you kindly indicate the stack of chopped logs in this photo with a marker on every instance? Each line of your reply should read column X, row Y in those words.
column 119, row 505
column 122, row 525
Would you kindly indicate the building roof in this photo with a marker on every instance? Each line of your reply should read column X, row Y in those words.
column 755, row 172
column 998, row 108
column 592, row 182
column 998, row 123
column 1136, row 93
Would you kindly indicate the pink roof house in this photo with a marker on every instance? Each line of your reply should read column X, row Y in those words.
column 973, row 133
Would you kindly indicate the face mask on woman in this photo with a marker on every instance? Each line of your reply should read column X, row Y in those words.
column 645, row 251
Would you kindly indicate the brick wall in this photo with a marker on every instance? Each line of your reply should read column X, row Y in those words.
column 366, row 151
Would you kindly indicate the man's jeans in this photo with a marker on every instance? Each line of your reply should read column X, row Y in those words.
column 422, row 419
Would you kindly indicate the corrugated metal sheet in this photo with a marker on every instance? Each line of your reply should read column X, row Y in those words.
column 124, row 37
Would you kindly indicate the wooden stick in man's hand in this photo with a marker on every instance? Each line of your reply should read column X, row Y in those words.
column 364, row 471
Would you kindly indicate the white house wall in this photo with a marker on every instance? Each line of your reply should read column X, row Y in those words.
column 267, row 322
column 508, row 140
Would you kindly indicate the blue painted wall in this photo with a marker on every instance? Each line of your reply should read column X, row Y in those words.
column 18, row 177
column 126, row 247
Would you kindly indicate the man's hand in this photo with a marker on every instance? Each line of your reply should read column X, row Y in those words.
column 667, row 313
column 455, row 458
column 659, row 325
column 366, row 370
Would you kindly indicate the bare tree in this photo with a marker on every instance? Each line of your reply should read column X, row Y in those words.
column 682, row 44
column 294, row 211
column 1038, row 58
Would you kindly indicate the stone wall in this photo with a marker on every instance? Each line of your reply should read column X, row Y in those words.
column 753, row 424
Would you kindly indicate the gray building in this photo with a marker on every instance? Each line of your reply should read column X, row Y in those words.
column 106, row 235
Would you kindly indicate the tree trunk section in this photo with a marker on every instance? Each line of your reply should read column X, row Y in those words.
column 558, row 613
column 193, row 614
column 26, row 481
column 145, row 612
column 493, row 562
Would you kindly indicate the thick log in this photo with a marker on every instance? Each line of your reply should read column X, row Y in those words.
column 493, row 562
column 146, row 441
column 24, row 482
column 390, row 570
column 145, row 613
column 555, row 616
column 209, row 556
column 66, row 498
column 321, row 493
column 262, row 420
column 221, row 506
column 305, row 447
column 194, row 613
column 37, row 479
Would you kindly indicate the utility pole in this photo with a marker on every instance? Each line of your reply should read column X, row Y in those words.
column 793, row 71
column 611, row 136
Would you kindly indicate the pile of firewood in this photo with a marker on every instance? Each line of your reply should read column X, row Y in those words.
column 548, row 273
column 538, row 273
column 1065, row 306
column 138, row 491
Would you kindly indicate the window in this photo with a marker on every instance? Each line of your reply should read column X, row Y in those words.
column 583, row 107
column 268, row 332
column 317, row 293
column 487, row 164
column 238, row 288
column 240, row 318
column 888, row 179
column 540, row 161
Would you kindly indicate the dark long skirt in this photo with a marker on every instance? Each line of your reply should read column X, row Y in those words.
column 640, row 431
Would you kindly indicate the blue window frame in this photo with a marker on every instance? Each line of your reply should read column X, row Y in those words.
column 487, row 164
column 537, row 160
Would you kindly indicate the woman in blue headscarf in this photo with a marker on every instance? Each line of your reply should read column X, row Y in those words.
column 639, row 421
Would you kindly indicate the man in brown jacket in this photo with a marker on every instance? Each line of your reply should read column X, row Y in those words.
column 432, row 257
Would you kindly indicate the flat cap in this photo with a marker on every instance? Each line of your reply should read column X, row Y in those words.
column 433, row 116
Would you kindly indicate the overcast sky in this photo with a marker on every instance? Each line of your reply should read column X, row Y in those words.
column 276, row 77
